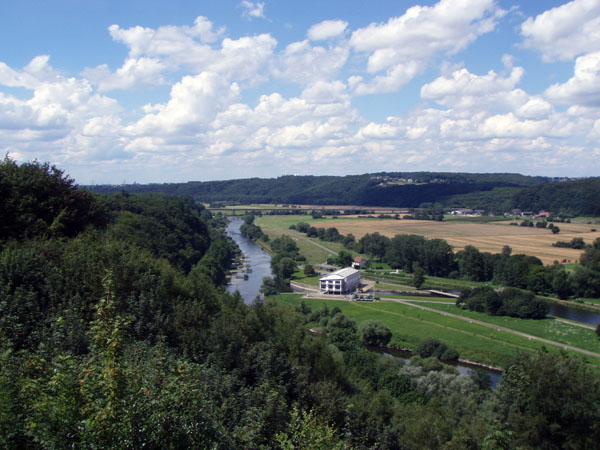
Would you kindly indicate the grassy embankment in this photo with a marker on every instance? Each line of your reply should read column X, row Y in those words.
column 474, row 342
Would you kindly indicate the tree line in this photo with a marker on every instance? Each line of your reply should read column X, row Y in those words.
column 491, row 192
column 437, row 258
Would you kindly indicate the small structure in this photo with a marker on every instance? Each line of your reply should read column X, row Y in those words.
column 342, row 281
column 359, row 262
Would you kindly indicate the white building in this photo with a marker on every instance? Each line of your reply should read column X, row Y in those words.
column 342, row 281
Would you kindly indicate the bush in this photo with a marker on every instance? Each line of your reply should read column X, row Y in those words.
column 374, row 332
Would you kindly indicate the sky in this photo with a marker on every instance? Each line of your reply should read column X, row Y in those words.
column 151, row 91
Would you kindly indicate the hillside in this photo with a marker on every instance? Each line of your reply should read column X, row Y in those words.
column 381, row 189
column 494, row 192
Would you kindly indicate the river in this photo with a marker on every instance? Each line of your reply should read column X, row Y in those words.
column 256, row 260
column 578, row 315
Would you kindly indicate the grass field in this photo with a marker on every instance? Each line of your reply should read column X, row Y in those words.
column 410, row 325
column 486, row 236
column 547, row 328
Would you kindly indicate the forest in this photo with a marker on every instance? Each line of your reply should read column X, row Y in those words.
column 116, row 332
column 491, row 192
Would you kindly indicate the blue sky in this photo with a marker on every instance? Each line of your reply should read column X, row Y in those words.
column 157, row 91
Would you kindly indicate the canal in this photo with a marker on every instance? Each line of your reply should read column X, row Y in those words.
column 256, row 266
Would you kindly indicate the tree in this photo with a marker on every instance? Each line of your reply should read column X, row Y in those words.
column 40, row 200
column 344, row 258
column 418, row 276
column 309, row 270
column 374, row 245
column 432, row 347
column 285, row 268
column 560, row 412
column 374, row 332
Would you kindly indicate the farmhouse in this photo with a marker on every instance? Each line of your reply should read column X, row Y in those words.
column 342, row 281
column 359, row 262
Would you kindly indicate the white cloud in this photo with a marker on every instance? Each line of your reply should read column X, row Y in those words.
column 244, row 58
column 462, row 90
column 52, row 122
column 193, row 104
column 584, row 87
column 155, row 52
column 253, row 10
column 405, row 45
column 303, row 63
column 327, row 29
column 566, row 31
column 134, row 72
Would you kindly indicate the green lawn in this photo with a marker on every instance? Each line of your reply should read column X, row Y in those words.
column 546, row 328
column 410, row 325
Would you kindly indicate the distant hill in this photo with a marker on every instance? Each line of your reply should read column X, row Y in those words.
column 495, row 191
column 576, row 198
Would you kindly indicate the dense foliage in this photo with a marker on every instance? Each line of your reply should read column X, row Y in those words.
column 574, row 198
column 39, row 200
column 368, row 189
column 506, row 302
column 119, row 334
column 492, row 192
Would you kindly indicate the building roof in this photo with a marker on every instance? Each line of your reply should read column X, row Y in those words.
column 359, row 259
column 342, row 273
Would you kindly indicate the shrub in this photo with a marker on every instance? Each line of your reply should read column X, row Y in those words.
column 374, row 332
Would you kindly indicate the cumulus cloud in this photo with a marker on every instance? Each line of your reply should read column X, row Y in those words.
column 327, row 29
column 134, row 72
column 253, row 10
column 464, row 90
column 303, row 63
column 584, row 87
column 565, row 31
column 193, row 103
column 58, row 111
column 196, row 48
column 405, row 45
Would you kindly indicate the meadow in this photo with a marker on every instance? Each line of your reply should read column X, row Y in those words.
column 409, row 325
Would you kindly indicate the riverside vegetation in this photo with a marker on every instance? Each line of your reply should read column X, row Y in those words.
column 116, row 332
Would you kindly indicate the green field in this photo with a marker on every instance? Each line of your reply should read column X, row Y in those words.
column 409, row 325
column 547, row 328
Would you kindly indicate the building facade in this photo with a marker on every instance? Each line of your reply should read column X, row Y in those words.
column 343, row 281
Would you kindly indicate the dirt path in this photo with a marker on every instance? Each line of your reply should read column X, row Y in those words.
column 497, row 327
column 318, row 245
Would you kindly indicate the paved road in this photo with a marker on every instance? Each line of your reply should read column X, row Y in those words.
column 497, row 327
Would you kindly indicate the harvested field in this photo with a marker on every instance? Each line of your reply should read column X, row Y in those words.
column 487, row 237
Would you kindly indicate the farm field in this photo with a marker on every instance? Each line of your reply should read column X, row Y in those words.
column 409, row 325
column 487, row 237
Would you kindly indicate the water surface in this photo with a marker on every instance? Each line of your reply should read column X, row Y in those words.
column 256, row 259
